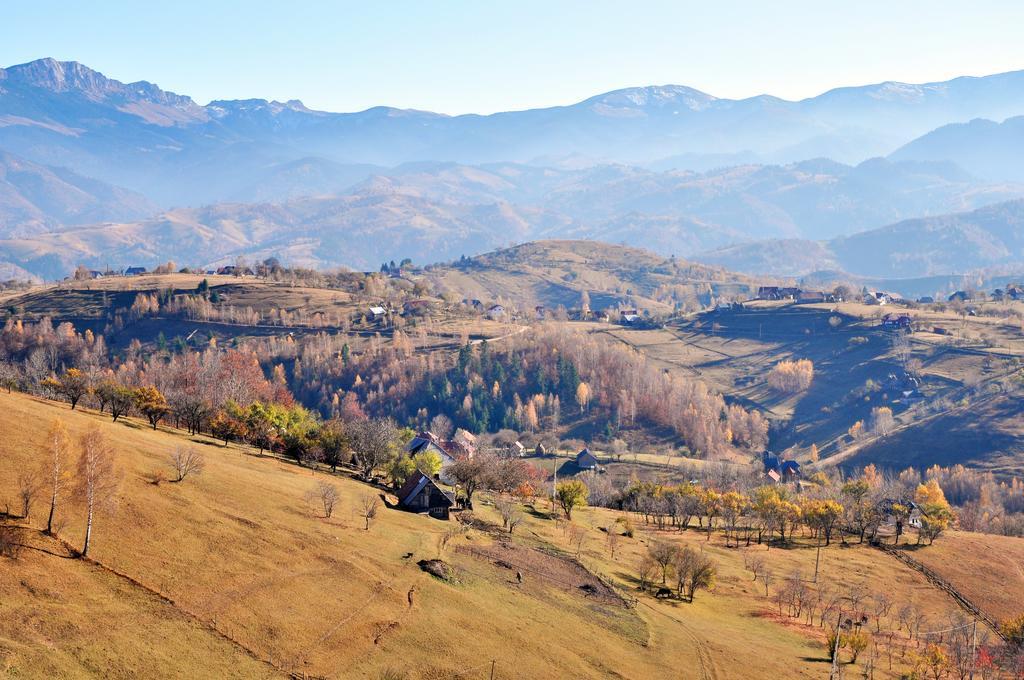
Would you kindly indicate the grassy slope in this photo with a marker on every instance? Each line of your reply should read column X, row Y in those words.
column 239, row 549
column 556, row 273
column 733, row 352
column 961, row 558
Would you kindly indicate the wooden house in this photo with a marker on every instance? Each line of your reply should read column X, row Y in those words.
column 421, row 494
column 585, row 460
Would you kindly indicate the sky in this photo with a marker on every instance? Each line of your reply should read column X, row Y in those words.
column 481, row 57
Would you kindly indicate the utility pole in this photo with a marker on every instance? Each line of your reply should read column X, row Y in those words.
column 836, row 672
column 492, row 669
column 817, row 560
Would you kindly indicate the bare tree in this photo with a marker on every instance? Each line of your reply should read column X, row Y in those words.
column 96, row 479
column 511, row 515
column 55, row 466
column 368, row 509
column 186, row 460
column 612, row 539
column 373, row 444
column 328, row 495
column 441, row 425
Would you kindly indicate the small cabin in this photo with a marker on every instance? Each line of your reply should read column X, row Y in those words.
column 134, row 271
column 376, row 313
column 421, row 494
column 585, row 460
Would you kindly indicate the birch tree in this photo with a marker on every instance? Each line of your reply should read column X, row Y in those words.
column 96, row 479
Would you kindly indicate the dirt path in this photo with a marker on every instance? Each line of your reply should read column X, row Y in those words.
column 708, row 668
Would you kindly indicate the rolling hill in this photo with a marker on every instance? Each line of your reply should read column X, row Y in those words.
column 36, row 199
column 992, row 236
column 440, row 211
column 983, row 147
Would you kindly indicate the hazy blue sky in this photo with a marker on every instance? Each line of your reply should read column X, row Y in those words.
column 484, row 56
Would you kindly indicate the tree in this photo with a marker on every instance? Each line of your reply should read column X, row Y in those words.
column 472, row 474
column 185, row 461
column 73, row 385
column 333, row 439
column 373, row 444
column 328, row 495
column 428, row 462
column 936, row 514
column 54, row 466
column 571, row 494
column 96, row 479
column 225, row 426
column 151, row 403
column 368, row 509
column 511, row 515
column 694, row 571
column 791, row 377
column 441, row 425
column 115, row 395
column 822, row 516
column 612, row 539
column 583, row 396
column 882, row 420
column 664, row 554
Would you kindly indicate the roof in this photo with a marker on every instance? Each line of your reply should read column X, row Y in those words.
column 585, row 456
column 421, row 443
column 775, row 476
column 378, row 310
column 415, row 485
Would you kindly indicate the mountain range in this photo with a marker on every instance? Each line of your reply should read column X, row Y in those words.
column 179, row 152
column 96, row 171
column 989, row 237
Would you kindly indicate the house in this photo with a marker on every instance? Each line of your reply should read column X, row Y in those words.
column 1014, row 292
column 768, row 293
column 811, row 296
column 789, row 293
column 629, row 317
column 876, row 297
column 232, row 270
column 790, row 470
column 585, row 460
column 896, row 321
column 518, row 450
column 778, row 470
column 926, row 299
column 421, row 494
column 428, row 441
column 464, row 442
column 377, row 313
column 960, row 296
column 134, row 271
column 496, row 312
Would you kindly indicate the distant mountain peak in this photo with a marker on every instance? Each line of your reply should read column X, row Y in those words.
column 71, row 76
column 655, row 96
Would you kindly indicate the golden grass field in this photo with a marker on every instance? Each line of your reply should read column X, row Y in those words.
column 234, row 574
